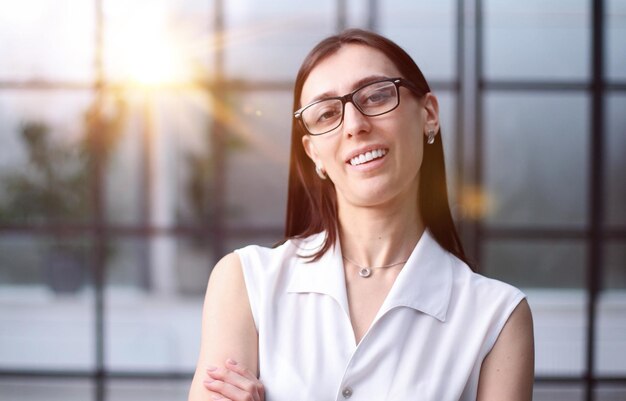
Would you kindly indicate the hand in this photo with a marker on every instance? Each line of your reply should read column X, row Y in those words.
column 233, row 383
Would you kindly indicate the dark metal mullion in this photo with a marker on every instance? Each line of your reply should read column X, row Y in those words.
column 342, row 15
column 372, row 15
column 224, row 84
column 146, row 167
column 178, row 375
column 541, row 233
column 218, row 143
column 596, row 190
column 99, row 238
column 489, row 232
column 511, row 86
column 141, row 231
column 459, row 127
column 45, row 85
column 478, row 131
column 615, row 86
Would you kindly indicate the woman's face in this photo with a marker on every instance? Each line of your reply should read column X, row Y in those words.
column 398, row 134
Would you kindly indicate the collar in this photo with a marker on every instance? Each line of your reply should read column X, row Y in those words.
column 424, row 283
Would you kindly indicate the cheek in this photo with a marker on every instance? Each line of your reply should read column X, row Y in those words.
column 326, row 151
column 412, row 146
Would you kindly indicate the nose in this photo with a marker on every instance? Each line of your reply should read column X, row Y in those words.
column 354, row 122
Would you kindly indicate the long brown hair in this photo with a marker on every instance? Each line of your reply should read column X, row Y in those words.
column 312, row 202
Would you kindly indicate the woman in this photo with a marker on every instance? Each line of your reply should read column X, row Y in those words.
column 369, row 298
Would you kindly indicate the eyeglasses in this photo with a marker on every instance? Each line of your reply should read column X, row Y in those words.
column 373, row 99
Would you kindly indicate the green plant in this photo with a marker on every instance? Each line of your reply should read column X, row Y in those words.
column 55, row 186
column 52, row 187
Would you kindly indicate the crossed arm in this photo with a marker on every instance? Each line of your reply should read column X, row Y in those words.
column 227, row 366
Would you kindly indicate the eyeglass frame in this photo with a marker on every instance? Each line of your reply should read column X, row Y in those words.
column 349, row 98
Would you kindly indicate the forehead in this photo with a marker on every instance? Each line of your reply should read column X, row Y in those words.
column 338, row 73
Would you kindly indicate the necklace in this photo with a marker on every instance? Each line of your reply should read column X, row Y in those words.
column 366, row 271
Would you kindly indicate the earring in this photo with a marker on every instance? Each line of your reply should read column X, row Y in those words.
column 431, row 137
column 320, row 173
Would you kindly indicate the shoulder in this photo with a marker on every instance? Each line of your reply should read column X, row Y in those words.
column 226, row 265
column 483, row 304
column 255, row 259
column 475, row 286
column 226, row 278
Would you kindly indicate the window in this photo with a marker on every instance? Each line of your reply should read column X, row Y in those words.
column 128, row 169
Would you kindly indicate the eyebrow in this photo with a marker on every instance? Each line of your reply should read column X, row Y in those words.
column 357, row 84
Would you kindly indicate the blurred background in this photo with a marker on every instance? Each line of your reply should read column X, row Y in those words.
column 142, row 140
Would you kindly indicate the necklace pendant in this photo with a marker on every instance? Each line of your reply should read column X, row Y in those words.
column 365, row 272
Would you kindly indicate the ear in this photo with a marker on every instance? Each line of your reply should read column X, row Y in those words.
column 311, row 150
column 431, row 106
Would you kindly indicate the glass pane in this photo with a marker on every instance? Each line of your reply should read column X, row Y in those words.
column 268, row 239
column 615, row 18
column 558, row 392
column 44, row 158
column 560, row 325
column 536, row 264
column 12, row 389
column 610, row 341
column 258, row 163
column 158, row 42
column 47, row 40
column 183, row 157
column 46, row 308
column 160, row 165
column 610, row 391
column 427, row 30
column 536, row 159
column 160, row 264
column 128, row 265
column 125, row 114
column 537, row 39
column 194, row 263
column 552, row 275
column 611, row 320
column 615, row 147
column 615, row 265
column 55, row 264
column 148, row 322
column 148, row 329
column 269, row 40
column 152, row 390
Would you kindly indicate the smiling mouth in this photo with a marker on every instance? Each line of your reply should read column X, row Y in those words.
column 367, row 156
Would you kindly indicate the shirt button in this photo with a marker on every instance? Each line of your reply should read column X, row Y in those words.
column 346, row 392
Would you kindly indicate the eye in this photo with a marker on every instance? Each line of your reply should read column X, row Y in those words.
column 326, row 112
column 376, row 96
column 327, row 115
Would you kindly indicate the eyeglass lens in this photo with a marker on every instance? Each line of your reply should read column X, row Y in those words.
column 371, row 100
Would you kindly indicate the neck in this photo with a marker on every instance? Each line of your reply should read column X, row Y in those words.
column 378, row 236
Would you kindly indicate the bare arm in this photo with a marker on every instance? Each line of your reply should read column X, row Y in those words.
column 507, row 373
column 228, row 329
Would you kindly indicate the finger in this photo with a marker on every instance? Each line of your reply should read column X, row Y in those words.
column 242, row 370
column 229, row 391
column 234, row 366
column 212, row 393
column 248, row 386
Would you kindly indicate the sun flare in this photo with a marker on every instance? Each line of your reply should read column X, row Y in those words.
column 142, row 47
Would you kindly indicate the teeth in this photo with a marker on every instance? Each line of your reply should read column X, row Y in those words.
column 367, row 156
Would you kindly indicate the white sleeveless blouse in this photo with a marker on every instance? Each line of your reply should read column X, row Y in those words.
column 427, row 341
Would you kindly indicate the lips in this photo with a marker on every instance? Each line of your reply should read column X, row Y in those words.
column 367, row 156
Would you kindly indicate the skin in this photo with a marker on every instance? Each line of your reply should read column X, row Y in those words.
column 378, row 225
